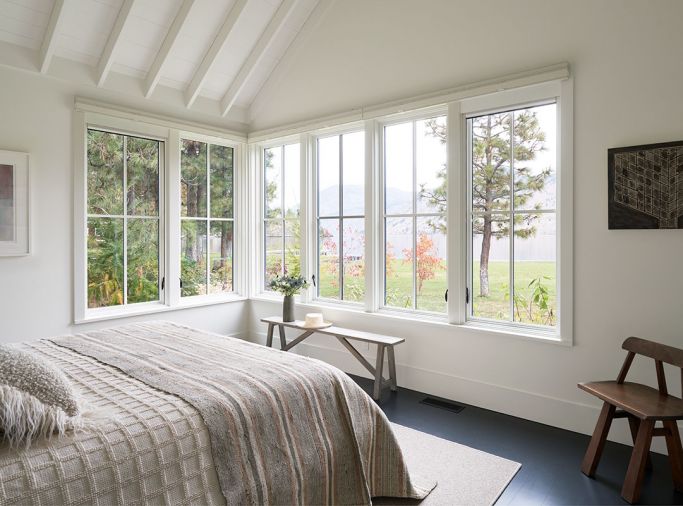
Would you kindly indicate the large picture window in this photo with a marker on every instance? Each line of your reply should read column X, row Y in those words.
column 414, row 203
column 341, row 216
column 123, row 219
column 282, row 210
column 207, row 227
column 512, row 175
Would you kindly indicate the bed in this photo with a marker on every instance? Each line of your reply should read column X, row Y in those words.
column 182, row 416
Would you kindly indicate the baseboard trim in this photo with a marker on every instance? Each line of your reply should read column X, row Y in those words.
column 561, row 413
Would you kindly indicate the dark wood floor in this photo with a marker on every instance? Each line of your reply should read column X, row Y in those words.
column 550, row 457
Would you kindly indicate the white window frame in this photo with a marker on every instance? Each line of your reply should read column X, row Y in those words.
column 119, row 121
column 313, row 252
column 523, row 88
column 412, row 116
column 236, row 177
column 258, row 277
column 560, row 92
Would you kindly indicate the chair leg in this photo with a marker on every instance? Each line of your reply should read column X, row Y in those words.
column 673, row 446
column 597, row 443
column 636, row 467
column 634, row 424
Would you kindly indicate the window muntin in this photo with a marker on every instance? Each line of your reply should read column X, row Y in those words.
column 414, row 215
column 123, row 220
column 340, row 207
column 282, row 211
column 206, row 218
column 513, row 193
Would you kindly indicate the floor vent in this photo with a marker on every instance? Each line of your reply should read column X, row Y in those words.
column 440, row 403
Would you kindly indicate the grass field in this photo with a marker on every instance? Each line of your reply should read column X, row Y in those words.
column 431, row 298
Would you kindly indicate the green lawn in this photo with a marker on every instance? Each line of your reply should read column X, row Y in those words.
column 497, row 304
column 431, row 298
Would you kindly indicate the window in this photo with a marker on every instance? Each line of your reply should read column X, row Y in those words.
column 281, row 212
column 156, row 213
column 458, row 213
column 124, row 226
column 206, row 217
column 512, row 174
column 341, row 216
column 415, row 205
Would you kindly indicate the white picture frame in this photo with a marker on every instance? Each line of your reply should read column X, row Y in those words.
column 14, row 204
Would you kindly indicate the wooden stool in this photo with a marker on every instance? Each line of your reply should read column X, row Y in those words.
column 643, row 406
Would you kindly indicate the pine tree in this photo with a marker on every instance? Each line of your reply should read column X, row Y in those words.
column 491, row 155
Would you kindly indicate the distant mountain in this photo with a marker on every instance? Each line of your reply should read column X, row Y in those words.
column 354, row 198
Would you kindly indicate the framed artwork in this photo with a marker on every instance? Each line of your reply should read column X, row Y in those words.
column 14, row 204
column 646, row 186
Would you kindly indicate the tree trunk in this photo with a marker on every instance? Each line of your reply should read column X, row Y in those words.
column 484, row 258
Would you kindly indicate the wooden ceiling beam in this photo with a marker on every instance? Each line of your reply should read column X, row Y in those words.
column 262, row 46
column 209, row 59
column 47, row 48
column 109, row 52
column 157, row 68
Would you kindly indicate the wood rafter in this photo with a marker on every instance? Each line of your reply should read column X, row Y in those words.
column 107, row 58
column 171, row 38
column 47, row 48
column 210, row 57
column 256, row 56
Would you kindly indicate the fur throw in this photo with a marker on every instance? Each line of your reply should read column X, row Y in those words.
column 36, row 399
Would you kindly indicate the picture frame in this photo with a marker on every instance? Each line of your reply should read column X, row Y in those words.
column 14, row 204
column 645, row 186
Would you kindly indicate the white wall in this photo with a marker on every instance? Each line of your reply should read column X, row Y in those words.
column 625, row 57
column 36, row 298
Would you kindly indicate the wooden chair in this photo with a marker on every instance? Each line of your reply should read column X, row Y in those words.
column 643, row 406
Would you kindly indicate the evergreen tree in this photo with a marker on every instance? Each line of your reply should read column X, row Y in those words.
column 493, row 142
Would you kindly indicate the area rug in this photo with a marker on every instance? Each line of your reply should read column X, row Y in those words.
column 464, row 475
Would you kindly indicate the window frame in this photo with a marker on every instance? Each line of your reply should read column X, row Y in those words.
column 314, row 251
column 96, row 117
column 456, row 106
column 413, row 117
column 216, row 141
column 257, row 241
column 561, row 93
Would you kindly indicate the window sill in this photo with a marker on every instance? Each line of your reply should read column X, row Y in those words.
column 102, row 314
column 428, row 320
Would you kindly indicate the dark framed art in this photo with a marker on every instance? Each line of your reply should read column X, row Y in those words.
column 645, row 186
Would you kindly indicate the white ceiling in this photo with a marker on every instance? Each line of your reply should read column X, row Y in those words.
column 221, row 50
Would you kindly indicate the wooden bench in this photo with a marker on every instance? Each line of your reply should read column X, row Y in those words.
column 643, row 406
column 344, row 335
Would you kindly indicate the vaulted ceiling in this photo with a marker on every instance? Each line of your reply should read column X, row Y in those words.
column 213, row 56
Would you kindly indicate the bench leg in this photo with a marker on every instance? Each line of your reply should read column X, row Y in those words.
column 378, row 372
column 269, row 338
column 597, row 443
column 636, row 467
column 673, row 446
column 283, row 339
column 392, row 368
column 634, row 425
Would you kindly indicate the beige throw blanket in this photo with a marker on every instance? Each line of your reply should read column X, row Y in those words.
column 284, row 429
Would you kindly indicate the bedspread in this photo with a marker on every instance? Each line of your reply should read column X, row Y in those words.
column 201, row 418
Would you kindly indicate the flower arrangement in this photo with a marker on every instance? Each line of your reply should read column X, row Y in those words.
column 288, row 285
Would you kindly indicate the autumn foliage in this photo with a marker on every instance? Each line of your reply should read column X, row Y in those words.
column 427, row 260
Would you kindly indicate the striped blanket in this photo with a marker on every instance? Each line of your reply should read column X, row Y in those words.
column 284, row 429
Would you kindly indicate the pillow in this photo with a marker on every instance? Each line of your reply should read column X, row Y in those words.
column 36, row 399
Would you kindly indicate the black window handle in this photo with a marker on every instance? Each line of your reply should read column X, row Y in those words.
column 445, row 296
column 313, row 278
